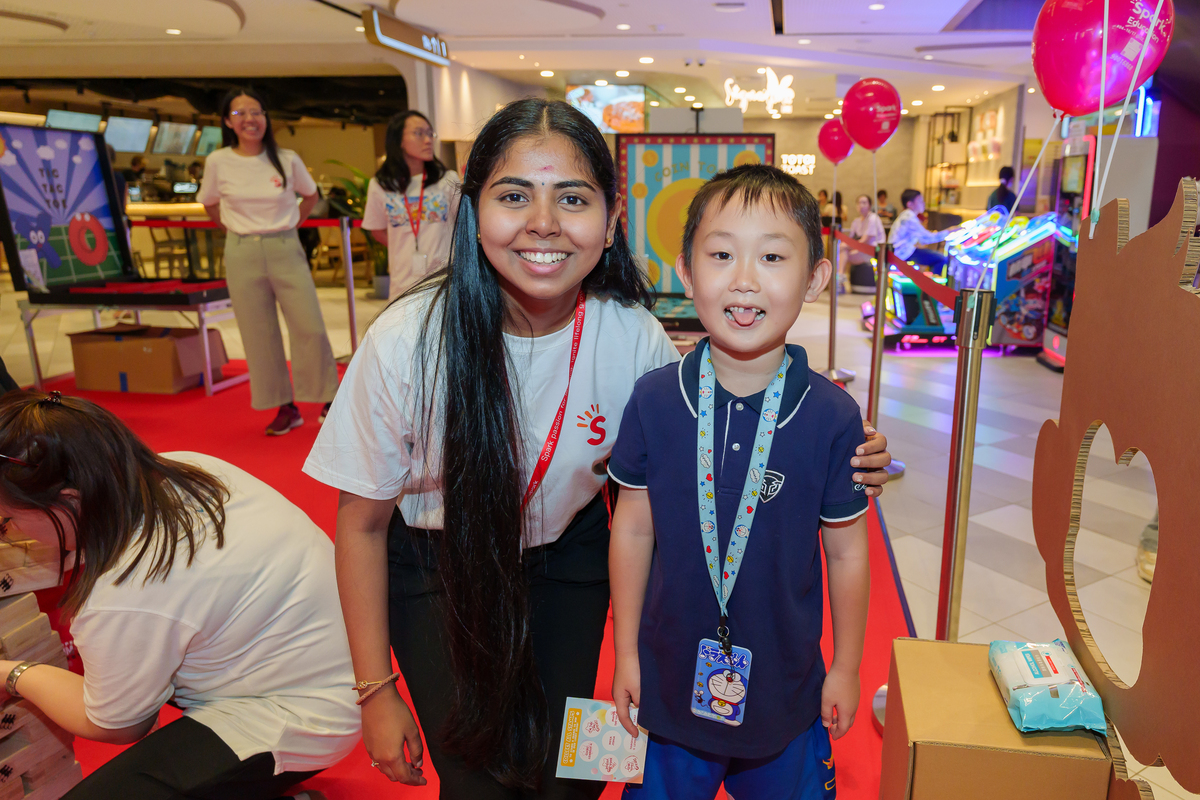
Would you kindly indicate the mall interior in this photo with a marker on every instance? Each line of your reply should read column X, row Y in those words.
column 125, row 134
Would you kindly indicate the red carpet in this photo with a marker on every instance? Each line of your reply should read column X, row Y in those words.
column 225, row 426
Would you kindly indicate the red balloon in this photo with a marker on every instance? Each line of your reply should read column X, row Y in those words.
column 1068, row 42
column 834, row 142
column 871, row 112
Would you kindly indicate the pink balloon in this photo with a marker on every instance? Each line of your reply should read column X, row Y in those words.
column 834, row 142
column 1067, row 44
column 871, row 112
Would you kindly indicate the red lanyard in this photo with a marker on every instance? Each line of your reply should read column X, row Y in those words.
column 543, row 462
column 415, row 224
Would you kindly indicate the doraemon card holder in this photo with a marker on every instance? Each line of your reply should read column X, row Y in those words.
column 57, row 220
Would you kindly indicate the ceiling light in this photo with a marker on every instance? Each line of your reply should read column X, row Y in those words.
column 537, row 64
column 680, row 90
column 654, row 103
column 624, row 26
column 697, row 105
column 689, row 98
column 837, row 111
column 646, row 60
column 985, row 92
column 622, row 73
column 929, row 58
column 762, row 70
column 602, row 82
column 776, row 116
column 875, row 7
column 174, row 31
column 1031, row 90
column 840, row 102
column 904, row 111
column 829, row 116
column 804, row 41
column 939, row 88
column 521, row 57
column 547, row 73
column 729, row 8
column 918, row 102
column 360, row 29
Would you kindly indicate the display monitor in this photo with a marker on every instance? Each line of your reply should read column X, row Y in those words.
column 1074, row 173
column 73, row 121
column 210, row 139
column 128, row 134
column 614, row 109
column 174, row 138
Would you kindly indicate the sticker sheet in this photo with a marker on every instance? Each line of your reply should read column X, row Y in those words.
column 595, row 746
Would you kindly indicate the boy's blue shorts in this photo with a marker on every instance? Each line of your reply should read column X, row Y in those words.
column 803, row 771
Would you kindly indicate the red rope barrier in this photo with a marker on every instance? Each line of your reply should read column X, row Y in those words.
column 203, row 224
column 938, row 291
column 855, row 244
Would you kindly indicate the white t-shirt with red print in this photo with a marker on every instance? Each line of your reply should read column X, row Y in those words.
column 254, row 197
column 373, row 443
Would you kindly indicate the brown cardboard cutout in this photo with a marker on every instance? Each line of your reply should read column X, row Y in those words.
column 1135, row 367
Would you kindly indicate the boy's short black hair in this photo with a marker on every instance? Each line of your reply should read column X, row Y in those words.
column 1006, row 173
column 908, row 196
column 753, row 184
column 881, row 193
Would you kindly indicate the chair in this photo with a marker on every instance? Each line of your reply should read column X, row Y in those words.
column 169, row 250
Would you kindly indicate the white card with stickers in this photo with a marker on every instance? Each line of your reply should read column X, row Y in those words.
column 596, row 747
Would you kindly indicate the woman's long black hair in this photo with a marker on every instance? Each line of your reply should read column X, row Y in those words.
column 498, row 720
column 393, row 175
column 230, row 139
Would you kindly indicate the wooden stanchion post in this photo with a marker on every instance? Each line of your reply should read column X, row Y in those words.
column 974, row 312
column 833, row 248
column 348, row 263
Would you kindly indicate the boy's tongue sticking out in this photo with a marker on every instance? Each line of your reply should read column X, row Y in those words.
column 744, row 316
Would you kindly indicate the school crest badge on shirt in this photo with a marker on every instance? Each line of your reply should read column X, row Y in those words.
column 772, row 482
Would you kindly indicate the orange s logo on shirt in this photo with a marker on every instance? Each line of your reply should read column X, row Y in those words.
column 592, row 420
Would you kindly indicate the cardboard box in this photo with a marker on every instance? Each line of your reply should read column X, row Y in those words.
column 140, row 358
column 948, row 735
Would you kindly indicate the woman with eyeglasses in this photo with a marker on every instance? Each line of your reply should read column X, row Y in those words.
column 250, row 187
column 412, row 203
column 195, row 583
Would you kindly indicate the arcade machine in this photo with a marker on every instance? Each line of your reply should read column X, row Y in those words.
column 1020, row 257
column 1074, row 172
column 62, row 240
column 913, row 317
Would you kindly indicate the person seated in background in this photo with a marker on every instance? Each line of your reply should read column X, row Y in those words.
column 137, row 169
column 195, row 171
column 194, row 582
column 822, row 202
column 834, row 211
column 908, row 231
column 866, row 228
column 1003, row 194
column 886, row 211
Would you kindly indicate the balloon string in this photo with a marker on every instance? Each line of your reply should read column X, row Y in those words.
column 834, row 219
column 1100, row 124
column 1112, row 147
column 874, row 184
column 1020, row 193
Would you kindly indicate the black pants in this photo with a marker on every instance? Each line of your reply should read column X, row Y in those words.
column 185, row 760
column 568, row 582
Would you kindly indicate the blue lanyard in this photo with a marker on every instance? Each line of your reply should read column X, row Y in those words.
column 724, row 574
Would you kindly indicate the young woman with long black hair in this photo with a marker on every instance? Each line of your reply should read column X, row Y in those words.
column 194, row 582
column 249, row 188
column 411, row 203
column 485, row 403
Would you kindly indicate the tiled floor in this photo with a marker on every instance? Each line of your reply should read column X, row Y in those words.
column 1004, row 592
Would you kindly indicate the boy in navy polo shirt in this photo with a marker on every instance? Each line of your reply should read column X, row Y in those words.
column 731, row 684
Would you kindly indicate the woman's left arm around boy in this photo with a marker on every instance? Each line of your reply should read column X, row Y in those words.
column 629, row 554
column 847, row 560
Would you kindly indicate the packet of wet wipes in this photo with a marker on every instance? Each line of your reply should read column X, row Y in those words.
column 1045, row 688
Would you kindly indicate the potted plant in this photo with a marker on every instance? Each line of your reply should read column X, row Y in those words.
column 353, row 205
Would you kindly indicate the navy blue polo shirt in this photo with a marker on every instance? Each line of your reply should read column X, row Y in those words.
column 776, row 607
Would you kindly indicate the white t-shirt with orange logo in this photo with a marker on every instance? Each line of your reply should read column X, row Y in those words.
column 373, row 442
column 253, row 195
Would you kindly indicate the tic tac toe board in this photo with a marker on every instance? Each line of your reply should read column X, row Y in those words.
column 660, row 175
column 57, row 196
column 596, row 747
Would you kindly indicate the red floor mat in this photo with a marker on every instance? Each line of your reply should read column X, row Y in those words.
column 225, row 426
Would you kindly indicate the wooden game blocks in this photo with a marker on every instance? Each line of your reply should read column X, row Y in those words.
column 37, row 759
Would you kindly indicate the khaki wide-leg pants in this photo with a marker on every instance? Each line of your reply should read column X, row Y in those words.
column 262, row 269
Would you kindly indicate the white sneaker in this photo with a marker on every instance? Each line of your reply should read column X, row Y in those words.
column 1145, row 564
